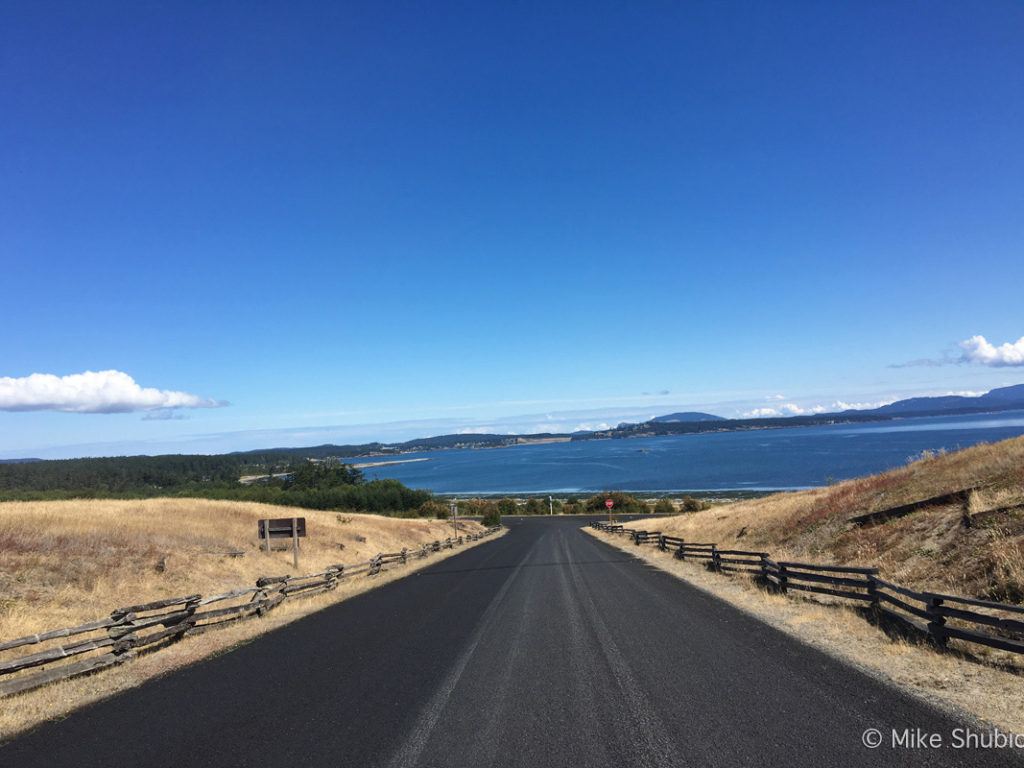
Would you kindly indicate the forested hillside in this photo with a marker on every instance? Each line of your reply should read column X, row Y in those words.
column 323, row 485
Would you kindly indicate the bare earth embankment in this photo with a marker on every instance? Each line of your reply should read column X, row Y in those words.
column 970, row 545
column 67, row 562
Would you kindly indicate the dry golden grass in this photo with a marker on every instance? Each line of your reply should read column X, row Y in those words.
column 983, row 691
column 67, row 562
column 931, row 549
column 62, row 562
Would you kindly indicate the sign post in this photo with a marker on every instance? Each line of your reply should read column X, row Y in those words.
column 609, row 503
column 292, row 528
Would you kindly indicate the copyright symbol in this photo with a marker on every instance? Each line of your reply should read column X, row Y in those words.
column 872, row 738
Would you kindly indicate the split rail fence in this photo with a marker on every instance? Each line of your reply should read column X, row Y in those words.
column 132, row 629
column 938, row 617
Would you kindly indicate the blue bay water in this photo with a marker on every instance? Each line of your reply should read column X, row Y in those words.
column 769, row 459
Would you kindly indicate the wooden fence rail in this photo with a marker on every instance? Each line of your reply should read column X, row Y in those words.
column 984, row 622
column 153, row 625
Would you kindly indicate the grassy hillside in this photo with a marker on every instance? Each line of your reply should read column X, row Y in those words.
column 66, row 562
column 974, row 549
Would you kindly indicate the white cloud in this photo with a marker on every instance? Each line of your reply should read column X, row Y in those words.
column 793, row 409
column 92, row 392
column 775, row 397
column 785, row 409
column 599, row 427
column 761, row 413
column 842, row 405
column 978, row 349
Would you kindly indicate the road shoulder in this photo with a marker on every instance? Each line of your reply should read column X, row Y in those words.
column 964, row 688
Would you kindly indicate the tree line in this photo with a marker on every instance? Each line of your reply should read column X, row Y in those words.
column 133, row 474
column 285, row 479
column 328, row 484
column 625, row 504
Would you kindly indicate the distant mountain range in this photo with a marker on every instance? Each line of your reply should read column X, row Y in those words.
column 683, row 422
column 684, row 416
column 686, row 422
column 1002, row 399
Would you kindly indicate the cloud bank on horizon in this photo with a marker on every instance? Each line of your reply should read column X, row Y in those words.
column 792, row 409
column 93, row 392
column 838, row 406
column 784, row 409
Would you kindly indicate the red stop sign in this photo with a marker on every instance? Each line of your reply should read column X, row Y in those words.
column 609, row 503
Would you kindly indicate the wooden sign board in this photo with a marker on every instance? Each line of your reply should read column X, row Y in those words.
column 281, row 528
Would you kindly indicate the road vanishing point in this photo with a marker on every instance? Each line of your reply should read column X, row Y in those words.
column 545, row 647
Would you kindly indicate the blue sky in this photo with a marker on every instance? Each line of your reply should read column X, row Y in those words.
column 391, row 218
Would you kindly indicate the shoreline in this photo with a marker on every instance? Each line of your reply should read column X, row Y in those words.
column 369, row 464
column 730, row 493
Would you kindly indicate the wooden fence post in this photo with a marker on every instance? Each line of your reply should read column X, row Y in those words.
column 936, row 623
column 681, row 552
column 661, row 542
column 876, row 603
column 716, row 559
column 334, row 574
column 783, row 578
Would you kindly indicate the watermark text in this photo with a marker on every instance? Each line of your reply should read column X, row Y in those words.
column 957, row 738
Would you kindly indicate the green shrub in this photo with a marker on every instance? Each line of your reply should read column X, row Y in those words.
column 535, row 506
column 435, row 509
column 507, row 506
column 625, row 504
column 690, row 504
column 664, row 507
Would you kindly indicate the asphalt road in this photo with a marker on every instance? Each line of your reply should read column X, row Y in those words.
column 541, row 648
